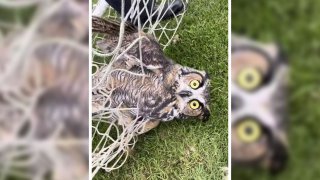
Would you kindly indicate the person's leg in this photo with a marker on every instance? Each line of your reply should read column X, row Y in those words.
column 169, row 10
column 116, row 4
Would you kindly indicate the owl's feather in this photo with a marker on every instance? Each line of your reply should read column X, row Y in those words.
column 152, row 55
column 110, row 27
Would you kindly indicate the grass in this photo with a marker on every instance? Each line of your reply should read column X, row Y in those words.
column 295, row 25
column 190, row 149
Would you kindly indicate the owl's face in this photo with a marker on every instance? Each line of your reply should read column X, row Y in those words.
column 192, row 93
column 258, row 105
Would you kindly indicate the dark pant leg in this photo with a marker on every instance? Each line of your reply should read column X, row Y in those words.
column 175, row 8
column 116, row 4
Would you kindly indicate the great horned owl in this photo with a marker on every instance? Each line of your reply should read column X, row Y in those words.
column 166, row 90
column 258, row 104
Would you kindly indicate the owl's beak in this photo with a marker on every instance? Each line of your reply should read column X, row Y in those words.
column 185, row 93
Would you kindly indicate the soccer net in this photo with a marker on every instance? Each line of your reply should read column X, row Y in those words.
column 113, row 135
column 44, row 89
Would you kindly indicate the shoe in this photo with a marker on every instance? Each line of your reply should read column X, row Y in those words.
column 170, row 10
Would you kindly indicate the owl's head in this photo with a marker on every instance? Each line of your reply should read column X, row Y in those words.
column 192, row 93
column 258, row 104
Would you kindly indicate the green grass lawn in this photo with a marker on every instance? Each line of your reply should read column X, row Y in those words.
column 190, row 149
column 295, row 25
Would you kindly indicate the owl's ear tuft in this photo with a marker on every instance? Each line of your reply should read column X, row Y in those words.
column 110, row 27
column 207, row 76
column 279, row 158
column 206, row 114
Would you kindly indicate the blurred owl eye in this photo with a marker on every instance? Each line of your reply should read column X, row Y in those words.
column 194, row 84
column 249, row 78
column 194, row 104
column 248, row 131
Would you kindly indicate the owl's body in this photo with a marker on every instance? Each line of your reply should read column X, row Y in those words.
column 154, row 86
column 151, row 92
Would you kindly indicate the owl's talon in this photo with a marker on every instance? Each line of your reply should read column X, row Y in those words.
column 149, row 125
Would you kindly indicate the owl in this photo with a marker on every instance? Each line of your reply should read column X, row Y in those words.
column 165, row 91
column 258, row 103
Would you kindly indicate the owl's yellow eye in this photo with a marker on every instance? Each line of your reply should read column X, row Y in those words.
column 249, row 78
column 248, row 131
column 194, row 84
column 194, row 104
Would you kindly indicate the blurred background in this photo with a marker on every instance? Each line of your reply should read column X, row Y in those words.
column 294, row 25
column 44, row 89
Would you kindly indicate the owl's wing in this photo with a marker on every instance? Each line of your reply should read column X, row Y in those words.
column 150, row 50
column 152, row 55
column 110, row 27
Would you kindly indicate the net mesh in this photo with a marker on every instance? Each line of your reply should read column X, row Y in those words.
column 113, row 134
column 44, row 89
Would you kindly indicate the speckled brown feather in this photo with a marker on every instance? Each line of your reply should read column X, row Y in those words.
column 110, row 27
column 153, row 55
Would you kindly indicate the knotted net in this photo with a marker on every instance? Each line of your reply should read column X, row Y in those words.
column 113, row 135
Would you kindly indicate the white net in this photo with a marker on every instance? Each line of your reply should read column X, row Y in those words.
column 113, row 133
column 44, row 89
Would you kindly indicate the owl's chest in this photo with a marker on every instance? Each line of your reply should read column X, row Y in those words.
column 151, row 94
